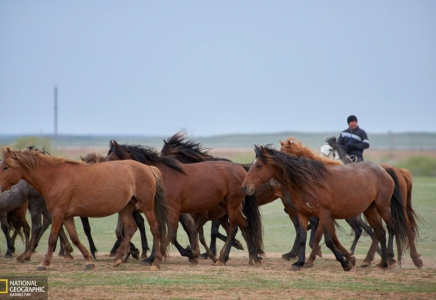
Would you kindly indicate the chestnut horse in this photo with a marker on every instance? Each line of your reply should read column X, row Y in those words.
column 200, row 187
column 332, row 192
column 294, row 147
column 406, row 185
column 71, row 188
column 190, row 151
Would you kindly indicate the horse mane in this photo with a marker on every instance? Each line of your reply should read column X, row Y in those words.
column 145, row 155
column 294, row 147
column 193, row 151
column 30, row 157
column 307, row 174
column 92, row 158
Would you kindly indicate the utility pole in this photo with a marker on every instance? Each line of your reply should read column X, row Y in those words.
column 55, row 117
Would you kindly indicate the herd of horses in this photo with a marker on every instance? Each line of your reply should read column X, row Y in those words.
column 184, row 184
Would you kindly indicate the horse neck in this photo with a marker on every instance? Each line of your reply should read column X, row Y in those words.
column 37, row 177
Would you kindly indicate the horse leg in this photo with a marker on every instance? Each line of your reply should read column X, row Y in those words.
column 20, row 214
column 71, row 228
column 140, row 223
column 213, row 236
column 46, row 221
column 368, row 230
column 199, row 228
column 313, row 225
column 188, row 225
column 225, row 224
column 129, row 228
column 375, row 222
column 119, row 235
column 224, row 253
column 302, row 222
column 318, row 231
column 5, row 228
column 330, row 236
column 66, row 246
column 52, row 239
column 87, row 230
column 35, row 215
column 357, row 232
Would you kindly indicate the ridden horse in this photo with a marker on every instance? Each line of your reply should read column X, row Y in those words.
column 72, row 188
column 198, row 188
column 332, row 192
column 190, row 151
column 405, row 184
column 293, row 146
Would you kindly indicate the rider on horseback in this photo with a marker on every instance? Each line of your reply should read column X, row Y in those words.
column 354, row 139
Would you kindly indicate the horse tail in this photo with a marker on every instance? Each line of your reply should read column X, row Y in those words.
column 252, row 213
column 160, row 210
column 412, row 215
column 398, row 216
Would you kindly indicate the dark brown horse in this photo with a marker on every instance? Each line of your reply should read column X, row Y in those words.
column 332, row 192
column 200, row 187
column 71, row 188
column 293, row 146
column 405, row 185
column 190, row 151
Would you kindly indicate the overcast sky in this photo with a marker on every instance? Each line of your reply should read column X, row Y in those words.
column 217, row 67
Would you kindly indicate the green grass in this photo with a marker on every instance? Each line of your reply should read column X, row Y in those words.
column 407, row 282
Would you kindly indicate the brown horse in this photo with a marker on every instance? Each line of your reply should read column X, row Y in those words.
column 332, row 192
column 200, row 187
column 190, row 151
column 293, row 146
column 406, row 185
column 71, row 188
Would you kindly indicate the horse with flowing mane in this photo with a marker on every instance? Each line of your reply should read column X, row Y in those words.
column 71, row 188
column 191, row 151
column 332, row 148
column 293, row 146
column 198, row 188
column 324, row 191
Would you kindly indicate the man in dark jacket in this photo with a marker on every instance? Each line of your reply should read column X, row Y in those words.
column 354, row 139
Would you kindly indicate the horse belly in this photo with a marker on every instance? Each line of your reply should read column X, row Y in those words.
column 100, row 206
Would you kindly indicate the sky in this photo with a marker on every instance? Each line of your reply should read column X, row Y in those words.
column 216, row 67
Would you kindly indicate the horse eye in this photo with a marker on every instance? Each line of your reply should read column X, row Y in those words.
column 258, row 166
column 5, row 168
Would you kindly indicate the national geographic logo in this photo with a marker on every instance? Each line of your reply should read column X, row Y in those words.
column 22, row 287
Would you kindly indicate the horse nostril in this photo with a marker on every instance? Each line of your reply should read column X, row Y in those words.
column 244, row 188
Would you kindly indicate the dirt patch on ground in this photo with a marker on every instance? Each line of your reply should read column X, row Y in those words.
column 237, row 280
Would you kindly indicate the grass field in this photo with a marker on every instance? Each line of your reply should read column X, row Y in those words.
column 180, row 280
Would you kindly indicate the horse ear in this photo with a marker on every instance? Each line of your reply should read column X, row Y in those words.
column 289, row 142
column 165, row 142
column 281, row 143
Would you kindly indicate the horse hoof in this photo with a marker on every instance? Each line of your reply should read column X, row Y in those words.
column 8, row 255
column 203, row 256
column 155, row 267
column 135, row 253
column 348, row 266
column 295, row 268
column 352, row 259
column 146, row 263
column 239, row 246
column 319, row 252
column 117, row 262
column 365, row 264
column 219, row 263
column 112, row 254
column 193, row 261
column 381, row 266
column 89, row 267
column 418, row 262
column 287, row 257
column 68, row 258
column 19, row 260
column 308, row 265
column 392, row 264
column 41, row 268
column 144, row 255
